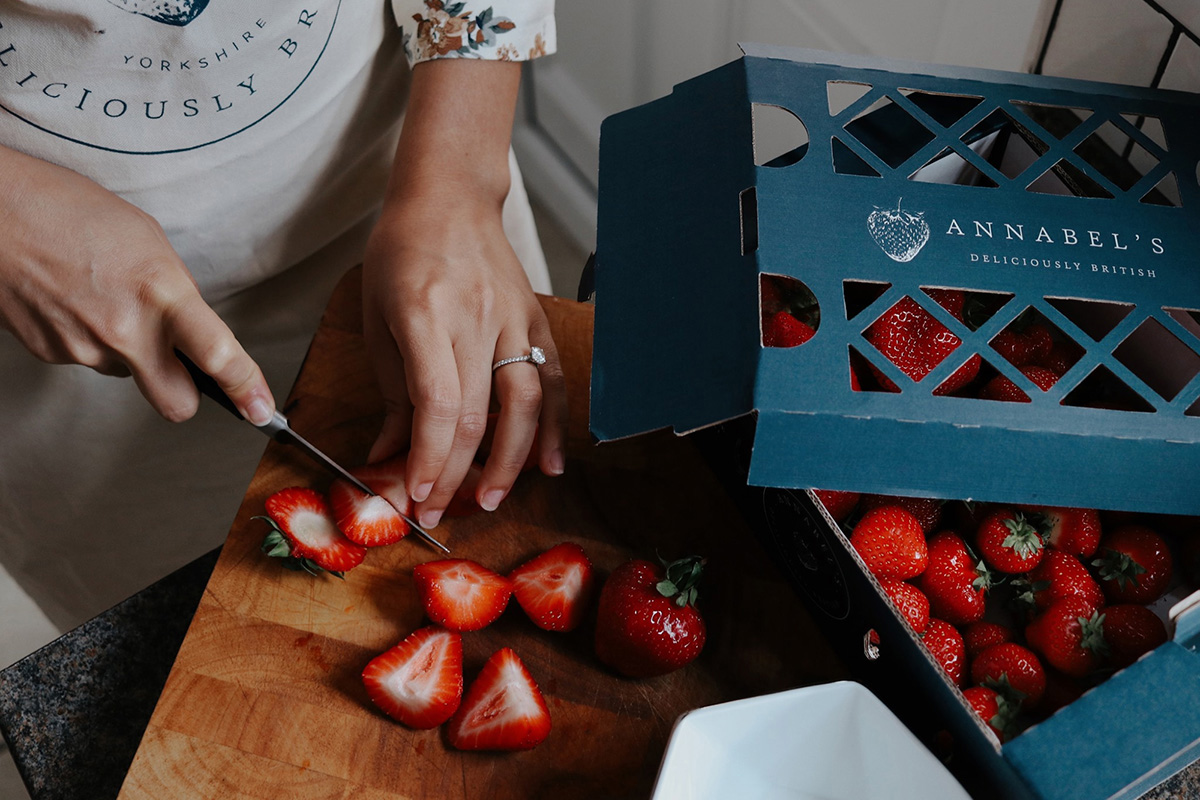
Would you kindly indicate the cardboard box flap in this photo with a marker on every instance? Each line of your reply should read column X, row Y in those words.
column 677, row 354
column 1118, row 743
column 1039, row 221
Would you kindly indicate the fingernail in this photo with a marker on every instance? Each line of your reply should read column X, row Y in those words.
column 557, row 464
column 422, row 491
column 491, row 499
column 430, row 519
column 259, row 412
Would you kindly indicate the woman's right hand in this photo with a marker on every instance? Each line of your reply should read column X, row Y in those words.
column 87, row 278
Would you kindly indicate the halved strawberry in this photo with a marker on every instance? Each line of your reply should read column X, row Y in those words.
column 373, row 521
column 419, row 681
column 503, row 709
column 460, row 594
column 554, row 587
column 304, row 529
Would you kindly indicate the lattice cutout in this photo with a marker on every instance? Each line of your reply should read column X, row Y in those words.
column 890, row 132
column 780, row 137
column 860, row 294
column 1031, row 340
column 789, row 314
column 1159, row 358
column 1116, row 155
column 945, row 108
column 1058, row 121
column 1102, row 389
column 842, row 94
column 1096, row 318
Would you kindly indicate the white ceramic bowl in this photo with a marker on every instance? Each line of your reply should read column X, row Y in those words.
column 836, row 741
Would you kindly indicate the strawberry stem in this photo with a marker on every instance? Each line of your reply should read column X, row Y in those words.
column 680, row 582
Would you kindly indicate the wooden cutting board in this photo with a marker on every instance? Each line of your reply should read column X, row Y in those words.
column 265, row 698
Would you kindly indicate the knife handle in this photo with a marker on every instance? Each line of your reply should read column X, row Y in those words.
column 208, row 386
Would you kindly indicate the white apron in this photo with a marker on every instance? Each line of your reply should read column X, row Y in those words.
column 259, row 133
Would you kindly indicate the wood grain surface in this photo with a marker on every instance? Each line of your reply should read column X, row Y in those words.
column 265, row 698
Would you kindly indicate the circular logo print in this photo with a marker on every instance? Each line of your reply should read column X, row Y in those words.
column 158, row 76
column 803, row 546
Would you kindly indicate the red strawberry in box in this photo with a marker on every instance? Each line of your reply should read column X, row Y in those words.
column 1134, row 565
column 891, row 543
column 916, row 342
column 955, row 582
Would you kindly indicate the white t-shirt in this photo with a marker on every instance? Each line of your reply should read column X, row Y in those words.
column 260, row 134
column 254, row 132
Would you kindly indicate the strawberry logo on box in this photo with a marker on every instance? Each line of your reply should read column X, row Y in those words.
column 900, row 234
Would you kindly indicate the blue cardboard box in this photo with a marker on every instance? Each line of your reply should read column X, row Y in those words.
column 1074, row 203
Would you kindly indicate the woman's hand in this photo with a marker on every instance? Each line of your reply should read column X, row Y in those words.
column 445, row 297
column 86, row 278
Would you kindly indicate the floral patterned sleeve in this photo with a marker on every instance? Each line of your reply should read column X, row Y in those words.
column 500, row 30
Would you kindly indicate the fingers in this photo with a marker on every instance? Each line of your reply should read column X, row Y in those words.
column 396, row 432
column 196, row 330
column 552, row 443
column 519, row 394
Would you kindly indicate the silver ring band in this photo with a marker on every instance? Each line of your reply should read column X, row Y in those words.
column 535, row 356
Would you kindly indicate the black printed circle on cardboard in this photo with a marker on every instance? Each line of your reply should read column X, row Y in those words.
column 139, row 115
column 806, row 552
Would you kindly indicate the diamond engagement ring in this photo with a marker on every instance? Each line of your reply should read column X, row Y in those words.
column 535, row 356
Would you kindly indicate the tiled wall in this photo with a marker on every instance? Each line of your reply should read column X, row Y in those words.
column 1154, row 43
column 1140, row 42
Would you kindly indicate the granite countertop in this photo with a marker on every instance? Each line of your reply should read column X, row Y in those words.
column 74, row 712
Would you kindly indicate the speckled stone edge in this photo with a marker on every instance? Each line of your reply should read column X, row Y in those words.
column 73, row 713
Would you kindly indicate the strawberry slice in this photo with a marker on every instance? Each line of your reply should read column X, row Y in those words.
column 503, row 709
column 460, row 594
column 305, row 530
column 554, row 587
column 373, row 521
column 419, row 682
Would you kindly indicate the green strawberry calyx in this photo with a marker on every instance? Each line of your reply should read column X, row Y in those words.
column 1114, row 565
column 1023, row 538
column 1091, row 634
column 276, row 545
column 985, row 579
column 682, row 577
column 1027, row 589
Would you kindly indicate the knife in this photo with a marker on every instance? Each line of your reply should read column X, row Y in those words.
column 279, row 430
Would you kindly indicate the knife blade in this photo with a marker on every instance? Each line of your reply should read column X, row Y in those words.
column 281, row 431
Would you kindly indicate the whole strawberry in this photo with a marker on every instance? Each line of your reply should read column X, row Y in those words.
column 1134, row 565
column 992, row 708
column 955, row 582
column 891, row 543
column 839, row 504
column 1131, row 630
column 1071, row 530
column 927, row 510
column 1021, row 345
column 1002, row 389
column 945, row 644
column 1059, row 575
column 1008, row 542
column 1013, row 671
column 781, row 329
column 647, row 623
column 910, row 602
column 916, row 342
column 979, row 636
column 1070, row 636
